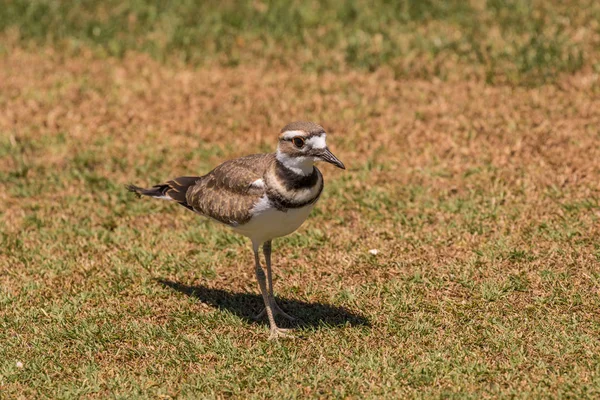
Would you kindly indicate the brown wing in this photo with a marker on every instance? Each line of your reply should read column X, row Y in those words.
column 227, row 193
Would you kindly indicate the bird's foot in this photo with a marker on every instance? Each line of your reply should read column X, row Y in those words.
column 276, row 311
column 277, row 333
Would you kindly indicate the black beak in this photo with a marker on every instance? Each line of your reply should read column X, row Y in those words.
column 328, row 156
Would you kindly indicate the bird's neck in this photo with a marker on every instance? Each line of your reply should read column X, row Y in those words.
column 286, row 189
column 298, row 165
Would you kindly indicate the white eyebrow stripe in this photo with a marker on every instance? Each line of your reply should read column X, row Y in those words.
column 292, row 134
column 317, row 142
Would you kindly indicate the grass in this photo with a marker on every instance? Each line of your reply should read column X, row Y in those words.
column 485, row 284
column 523, row 42
column 482, row 200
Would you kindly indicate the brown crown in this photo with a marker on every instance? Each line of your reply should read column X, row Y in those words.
column 309, row 127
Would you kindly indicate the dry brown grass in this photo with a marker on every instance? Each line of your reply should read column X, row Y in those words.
column 483, row 202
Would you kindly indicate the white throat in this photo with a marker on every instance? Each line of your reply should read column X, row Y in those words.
column 299, row 165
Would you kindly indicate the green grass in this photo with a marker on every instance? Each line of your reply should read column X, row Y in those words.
column 519, row 41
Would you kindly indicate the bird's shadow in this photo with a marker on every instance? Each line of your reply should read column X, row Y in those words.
column 247, row 305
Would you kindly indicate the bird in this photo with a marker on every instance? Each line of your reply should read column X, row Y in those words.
column 260, row 196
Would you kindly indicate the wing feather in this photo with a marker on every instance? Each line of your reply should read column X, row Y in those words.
column 227, row 193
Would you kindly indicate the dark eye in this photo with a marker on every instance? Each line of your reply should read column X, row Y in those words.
column 298, row 142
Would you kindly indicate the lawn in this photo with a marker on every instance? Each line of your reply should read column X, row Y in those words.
column 476, row 179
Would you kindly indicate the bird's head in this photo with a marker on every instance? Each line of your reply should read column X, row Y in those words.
column 301, row 144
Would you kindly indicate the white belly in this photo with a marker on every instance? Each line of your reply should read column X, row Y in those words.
column 268, row 222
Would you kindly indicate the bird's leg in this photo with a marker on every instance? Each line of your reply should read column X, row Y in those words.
column 274, row 306
column 267, row 254
column 260, row 276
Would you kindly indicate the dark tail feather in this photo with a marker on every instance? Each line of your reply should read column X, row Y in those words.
column 172, row 190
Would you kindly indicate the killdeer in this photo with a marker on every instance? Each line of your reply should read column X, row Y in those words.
column 261, row 196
